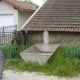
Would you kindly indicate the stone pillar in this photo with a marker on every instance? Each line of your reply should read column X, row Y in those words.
column 46, row 37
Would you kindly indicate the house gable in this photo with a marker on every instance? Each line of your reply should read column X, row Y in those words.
column 6, row 8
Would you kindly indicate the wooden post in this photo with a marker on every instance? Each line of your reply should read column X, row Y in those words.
column 3, row 32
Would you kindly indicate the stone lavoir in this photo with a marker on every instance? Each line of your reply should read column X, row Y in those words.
column 55, row 22
column 60, row 18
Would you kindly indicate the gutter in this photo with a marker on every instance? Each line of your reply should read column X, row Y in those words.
column 32, row 16
column 28, row 10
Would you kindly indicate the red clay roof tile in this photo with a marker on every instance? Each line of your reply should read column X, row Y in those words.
column 20, row 5
column 56, row 15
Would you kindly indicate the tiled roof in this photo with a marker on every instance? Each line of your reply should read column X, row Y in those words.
column 20, row 5
column 56, row 15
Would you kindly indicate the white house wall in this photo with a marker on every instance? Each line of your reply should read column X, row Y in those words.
column 23, row 17
column 8, row 9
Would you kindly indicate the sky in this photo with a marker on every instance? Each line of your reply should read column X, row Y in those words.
column 38, row 2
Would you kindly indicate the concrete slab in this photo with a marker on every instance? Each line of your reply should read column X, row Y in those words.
column 48, row 48
column 39, row 53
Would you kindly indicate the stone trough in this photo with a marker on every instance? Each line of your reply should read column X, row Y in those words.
column 39, row 53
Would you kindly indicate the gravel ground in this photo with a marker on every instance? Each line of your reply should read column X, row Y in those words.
column 13, row 75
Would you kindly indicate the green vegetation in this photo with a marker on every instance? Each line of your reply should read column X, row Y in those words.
column 19, row 37
column 30, row 2
column 73, row 51
column 13, row 50
column 61, row 63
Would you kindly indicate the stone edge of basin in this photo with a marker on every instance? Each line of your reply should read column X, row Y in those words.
column 47, row 48
column 36, row 54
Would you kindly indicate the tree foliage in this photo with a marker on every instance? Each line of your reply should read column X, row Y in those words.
column 30, row 2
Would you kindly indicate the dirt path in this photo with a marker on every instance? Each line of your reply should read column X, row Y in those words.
column 13, row 75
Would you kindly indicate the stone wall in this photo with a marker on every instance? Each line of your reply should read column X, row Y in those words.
column 34, row 37
column 63, row 38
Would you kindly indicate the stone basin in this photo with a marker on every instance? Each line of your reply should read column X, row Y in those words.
column 39, row 53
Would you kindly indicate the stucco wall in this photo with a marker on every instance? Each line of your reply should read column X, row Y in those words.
column 63, row 38
column 23, row 17
column 8, row 9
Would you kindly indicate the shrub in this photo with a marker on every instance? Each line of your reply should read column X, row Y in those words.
column 12, row 51
column 73, row 51
column 19, row 37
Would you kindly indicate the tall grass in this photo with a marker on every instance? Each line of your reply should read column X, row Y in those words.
column 12, row 50
column 63, row 65
column 59, row 64
column 64, row 62
column 73, row 51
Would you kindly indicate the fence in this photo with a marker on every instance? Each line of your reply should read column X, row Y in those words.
column 6, row 34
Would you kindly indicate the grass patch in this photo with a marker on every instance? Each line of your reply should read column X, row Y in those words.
column 59, row 64
column 73, row 51
column 12, row 51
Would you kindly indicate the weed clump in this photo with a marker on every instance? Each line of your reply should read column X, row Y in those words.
column 13, row 50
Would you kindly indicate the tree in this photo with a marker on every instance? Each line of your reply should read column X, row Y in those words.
column 30, row 2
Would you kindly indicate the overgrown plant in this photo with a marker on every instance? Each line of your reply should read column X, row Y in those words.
column 73, row 51
column 64, row 62
column 19, row 37
column 59, row 64
column 30, row 2
column 13, row 50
